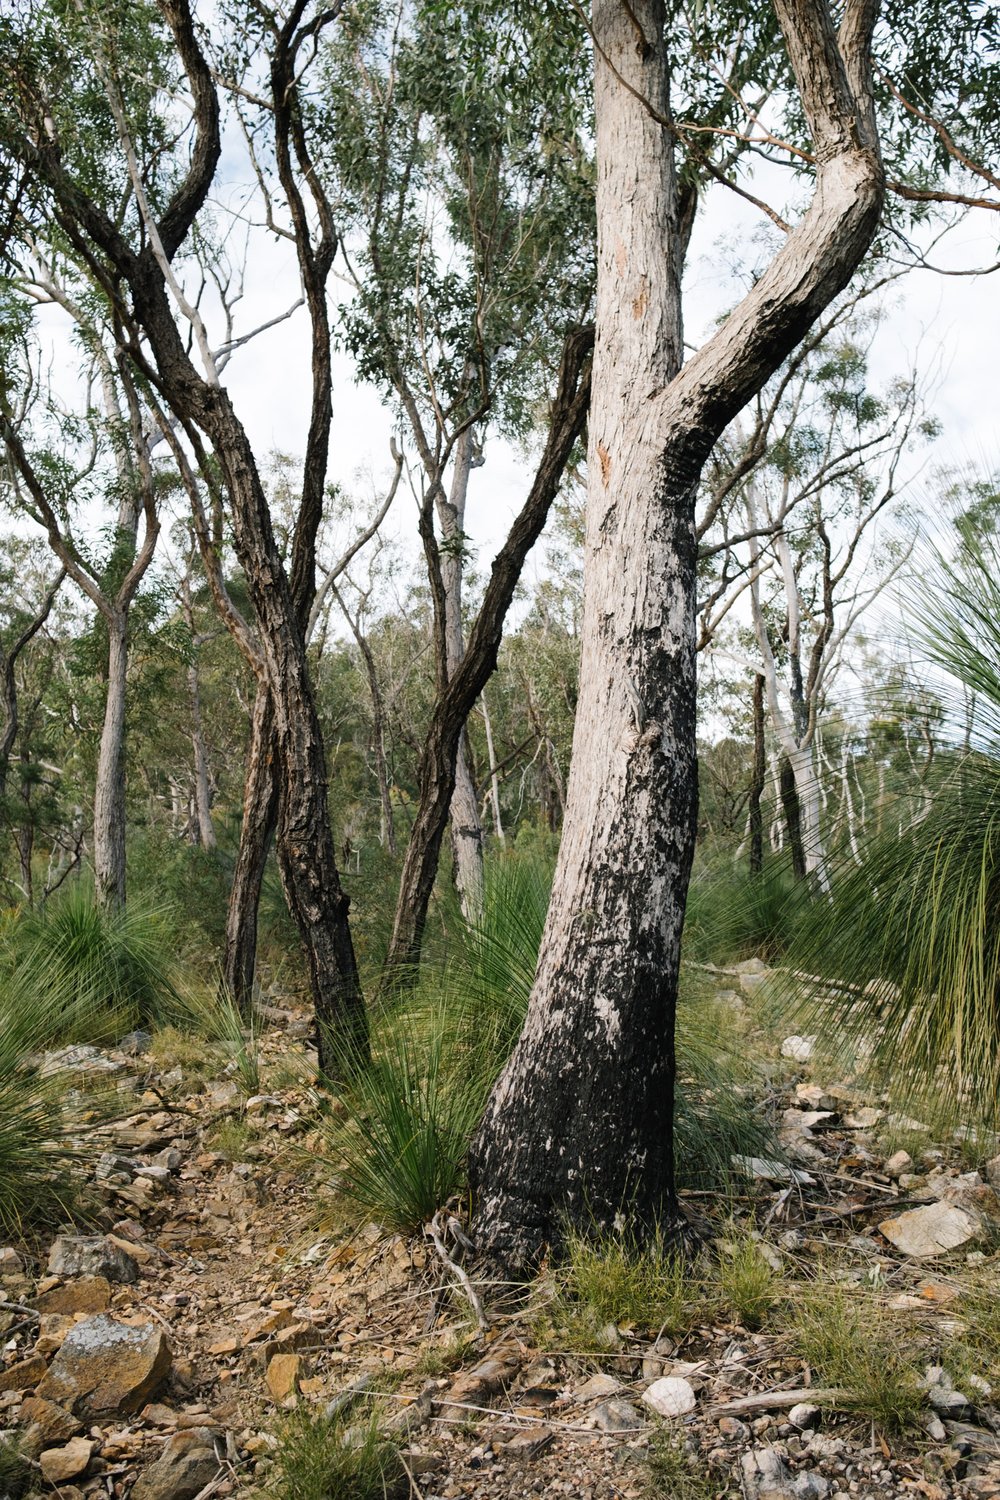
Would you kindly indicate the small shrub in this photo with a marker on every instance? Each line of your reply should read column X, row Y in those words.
column 849, row 1340
column 747, row 1283
column 321, row 1458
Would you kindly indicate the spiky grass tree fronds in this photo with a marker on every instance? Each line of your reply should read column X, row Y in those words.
column 36, row 1153
column 97, row 972
column 396, row 1153
column 716, row 1112
column 911, row 938
column 733, row 914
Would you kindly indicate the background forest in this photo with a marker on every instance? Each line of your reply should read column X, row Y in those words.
column 499, row 728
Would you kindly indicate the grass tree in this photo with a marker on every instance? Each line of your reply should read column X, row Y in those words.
column 911, row 937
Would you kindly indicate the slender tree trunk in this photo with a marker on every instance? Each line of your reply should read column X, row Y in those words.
column 757, row 782
column 109, row 787
column 439, row 756
column 793, row 817
column 260, row 811
column 202, row 788
column 466, row 825
column 494, row 778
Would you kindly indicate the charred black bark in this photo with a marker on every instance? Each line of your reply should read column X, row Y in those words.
column 757, row 779
column 793, row 817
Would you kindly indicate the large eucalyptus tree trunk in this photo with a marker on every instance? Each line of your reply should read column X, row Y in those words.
column 578, row 1128
column 109, row 786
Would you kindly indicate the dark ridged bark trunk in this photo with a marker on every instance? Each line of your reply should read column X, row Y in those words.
column 793, row 817
column 260, row 812
column 757, row 778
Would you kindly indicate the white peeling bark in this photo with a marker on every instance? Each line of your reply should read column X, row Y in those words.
column 109, row 785
column 466, row 824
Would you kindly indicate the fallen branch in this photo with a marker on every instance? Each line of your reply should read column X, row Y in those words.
column 779, row 1400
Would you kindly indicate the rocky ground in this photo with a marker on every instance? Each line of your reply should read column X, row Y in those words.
column 158, row 1355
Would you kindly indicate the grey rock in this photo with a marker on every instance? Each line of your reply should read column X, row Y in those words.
column 672, row 1396
column 77, row 1060
column 617, row 1416
column 933, row 1229
column 187, row 1464
column 804, row 1416
column 798, row 1048
column 766, row 1476
column 92, row 1255
column 767, row 1170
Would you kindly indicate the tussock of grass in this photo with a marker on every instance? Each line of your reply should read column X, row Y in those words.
column 16, row 1474
column 606, row 1283
column 96, row 972
column 321, row 1458
column 975, row 1350
column 234, row 1139
column 36, row 1154
column 851, row 1341
column 673, row 1473
column 397, row 1154
column 748, row 1285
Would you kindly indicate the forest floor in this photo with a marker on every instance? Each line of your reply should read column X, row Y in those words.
column 257, row 1316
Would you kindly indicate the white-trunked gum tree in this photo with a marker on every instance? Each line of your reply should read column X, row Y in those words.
column 579, row 1126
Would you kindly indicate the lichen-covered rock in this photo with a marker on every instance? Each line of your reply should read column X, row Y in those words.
column 92, row 1255
column 105, row 1366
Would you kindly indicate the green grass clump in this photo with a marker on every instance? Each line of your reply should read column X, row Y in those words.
column 851, row 1341
column 672, row 1473
column 975, row 1349
column 607, row 1282
column 97, row 972
column 16, row 1474
column 732, row 914
column 321, row 1458
column 36, row 1153
column 748, row 1284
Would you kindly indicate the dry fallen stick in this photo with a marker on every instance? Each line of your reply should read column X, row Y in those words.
column 779, row 1400
column 433, row 1229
